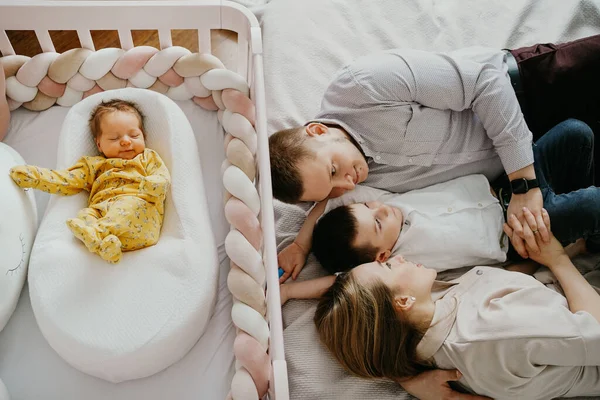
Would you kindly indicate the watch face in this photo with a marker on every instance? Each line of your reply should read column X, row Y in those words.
column 519, row 186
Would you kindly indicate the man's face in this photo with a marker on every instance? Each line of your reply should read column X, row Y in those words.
column 337, row 167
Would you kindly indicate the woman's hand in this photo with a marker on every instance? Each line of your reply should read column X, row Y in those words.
column 549, row 252
column 283, row 293
column 291, row 260
column 433, row 385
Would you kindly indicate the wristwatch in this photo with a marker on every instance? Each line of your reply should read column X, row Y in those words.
column 522, row 185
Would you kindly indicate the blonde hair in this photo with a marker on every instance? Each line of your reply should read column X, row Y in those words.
column 361, row 328
column 107, row 107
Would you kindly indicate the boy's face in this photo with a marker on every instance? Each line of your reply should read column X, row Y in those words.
column 337, row 167
column 120, row 135
column 378, row 225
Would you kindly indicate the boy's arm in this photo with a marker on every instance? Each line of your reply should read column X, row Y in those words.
column 312, row 289
column 292, row 258
column 304, row 238
column 66, row 182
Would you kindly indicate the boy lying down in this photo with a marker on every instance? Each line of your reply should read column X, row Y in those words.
column 445, row 226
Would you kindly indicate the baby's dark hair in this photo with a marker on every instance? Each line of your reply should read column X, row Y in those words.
column 107, row 107
column 333, row 242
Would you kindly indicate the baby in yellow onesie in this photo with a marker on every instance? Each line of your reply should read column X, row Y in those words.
column 127, row 184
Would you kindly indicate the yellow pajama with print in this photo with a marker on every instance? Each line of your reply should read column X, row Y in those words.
column 126, row 203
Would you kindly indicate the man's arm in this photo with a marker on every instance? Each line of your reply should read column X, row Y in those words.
column 533, row 201
column 406, row 75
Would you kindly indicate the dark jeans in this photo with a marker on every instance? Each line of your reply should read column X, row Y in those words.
column 564, row 167
column 561, row 81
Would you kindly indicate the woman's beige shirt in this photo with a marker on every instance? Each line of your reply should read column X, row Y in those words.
column 512, row 337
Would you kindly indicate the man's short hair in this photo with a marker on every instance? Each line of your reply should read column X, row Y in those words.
column 287, row 148
column 333, row 242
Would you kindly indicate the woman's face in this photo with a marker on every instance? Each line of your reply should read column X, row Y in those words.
column 402, row 277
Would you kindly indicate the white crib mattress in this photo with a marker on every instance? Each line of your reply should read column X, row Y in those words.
column 28, row 365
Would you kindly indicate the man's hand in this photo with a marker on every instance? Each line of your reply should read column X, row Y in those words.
column 549, row 253
column 291, row 260
column 433, row 385
column 534, row 202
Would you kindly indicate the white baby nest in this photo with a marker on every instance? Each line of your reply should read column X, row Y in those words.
column 135, row 318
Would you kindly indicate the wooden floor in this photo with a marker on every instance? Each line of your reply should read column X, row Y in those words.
column 223, row 42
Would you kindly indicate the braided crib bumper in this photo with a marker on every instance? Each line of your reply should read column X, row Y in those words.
column 47, row 79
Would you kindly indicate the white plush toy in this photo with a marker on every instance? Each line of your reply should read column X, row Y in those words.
column 18, row 225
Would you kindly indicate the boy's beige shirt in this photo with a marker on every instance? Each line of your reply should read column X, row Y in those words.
column 512, row 337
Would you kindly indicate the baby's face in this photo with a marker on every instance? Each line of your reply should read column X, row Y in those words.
column 121, row 136
column 379, row 225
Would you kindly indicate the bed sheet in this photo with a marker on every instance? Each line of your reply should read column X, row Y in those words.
column 306, row 42
column 30, row 368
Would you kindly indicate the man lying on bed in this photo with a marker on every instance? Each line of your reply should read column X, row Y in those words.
column 406, row 119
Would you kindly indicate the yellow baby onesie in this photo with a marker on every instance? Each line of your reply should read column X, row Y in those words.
column 126, row 202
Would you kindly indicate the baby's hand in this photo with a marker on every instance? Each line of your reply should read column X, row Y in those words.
column 291, row 260
column 154, row 185
column 22, row 176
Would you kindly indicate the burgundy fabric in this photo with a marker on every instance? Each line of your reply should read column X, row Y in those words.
column 561, row 81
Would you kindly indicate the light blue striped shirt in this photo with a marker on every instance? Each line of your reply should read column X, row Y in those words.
column 422, row 118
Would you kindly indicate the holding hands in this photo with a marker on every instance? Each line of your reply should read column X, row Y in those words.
column 546, row 252
column 531, row 226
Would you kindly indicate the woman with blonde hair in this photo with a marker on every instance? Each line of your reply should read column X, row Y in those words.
column 508, row 334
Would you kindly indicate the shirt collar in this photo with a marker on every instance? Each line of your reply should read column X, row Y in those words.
column 442, row 322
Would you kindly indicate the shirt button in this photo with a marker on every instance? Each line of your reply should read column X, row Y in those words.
column 378, row 158
column 479, row 272
column 449, row 209
column 410, row 160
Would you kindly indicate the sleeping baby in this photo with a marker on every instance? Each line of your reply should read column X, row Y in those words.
column 128, row 184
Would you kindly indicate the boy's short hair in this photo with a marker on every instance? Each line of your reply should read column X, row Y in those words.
column 107, row 107
column 287, row 148
column 333, row 239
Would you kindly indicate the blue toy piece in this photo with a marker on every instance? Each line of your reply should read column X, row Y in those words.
column 281, row 272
